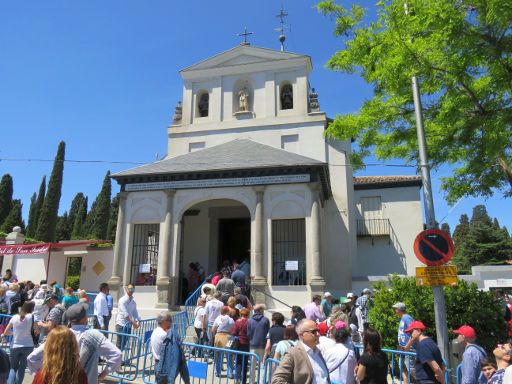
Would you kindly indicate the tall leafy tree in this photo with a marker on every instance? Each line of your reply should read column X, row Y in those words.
column 14, row 218
column 480, row 241
column 62, row 232
column 98, row 217
column 460, row 53
column 47, row 222
column 77, row 201
column 33, row 200
column 33, row 217
column 446, row 227
column 6, row 190
column 112, row 222
column 77, row 232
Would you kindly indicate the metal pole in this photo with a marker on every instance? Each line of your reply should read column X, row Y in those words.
column 439, row 305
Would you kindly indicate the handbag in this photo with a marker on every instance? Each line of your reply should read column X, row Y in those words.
column 33, row 334
column 233, row 343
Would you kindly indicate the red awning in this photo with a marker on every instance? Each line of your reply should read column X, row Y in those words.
column 34, row 249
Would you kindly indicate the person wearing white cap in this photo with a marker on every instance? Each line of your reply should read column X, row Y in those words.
column 362, row 308
column 404, row 339
column 326, row 304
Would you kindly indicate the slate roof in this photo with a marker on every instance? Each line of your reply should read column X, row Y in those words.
column 374, row 182
column 236, row 154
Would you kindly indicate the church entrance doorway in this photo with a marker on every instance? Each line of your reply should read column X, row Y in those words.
column 213, row 232
column 234, row 240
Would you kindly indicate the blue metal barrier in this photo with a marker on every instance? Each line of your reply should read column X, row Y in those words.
column 199, row 361
column 270, row 367
column 5, row 342
column 130, row 346
column 191, row 301
column 180, row 322
column 458, row 374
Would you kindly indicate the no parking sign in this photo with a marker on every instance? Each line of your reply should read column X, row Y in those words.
column 433, row 247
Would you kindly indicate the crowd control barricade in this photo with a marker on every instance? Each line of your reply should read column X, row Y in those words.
column 270, row 367
column 208, row 365
column 5, row 342
column 180, row 323
column 130, row 346
column 458, row 374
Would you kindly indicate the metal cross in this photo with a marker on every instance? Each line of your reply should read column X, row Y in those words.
column 245, row 34
column 282, row 15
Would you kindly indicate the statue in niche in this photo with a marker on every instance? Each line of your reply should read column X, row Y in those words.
column 287, row 97
column 203, row 104
column 243, row 97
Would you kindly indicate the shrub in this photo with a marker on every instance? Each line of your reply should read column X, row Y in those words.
column 465, row 304
column 73, row 282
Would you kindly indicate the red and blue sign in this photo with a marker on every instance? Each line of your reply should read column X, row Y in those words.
column 433, row 247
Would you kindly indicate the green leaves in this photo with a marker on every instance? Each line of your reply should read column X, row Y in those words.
column 462, row 55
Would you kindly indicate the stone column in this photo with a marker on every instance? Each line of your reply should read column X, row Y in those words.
column 116, row 281
column 258, row 281
column 13, row 238
column 317, row 281
column 163, row 280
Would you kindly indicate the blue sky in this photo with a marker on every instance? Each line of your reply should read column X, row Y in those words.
column 103, row 77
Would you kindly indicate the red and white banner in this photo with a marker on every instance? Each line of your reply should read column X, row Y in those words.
column 25, row 249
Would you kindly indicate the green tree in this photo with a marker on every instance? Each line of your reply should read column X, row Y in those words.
column 62, row 232
column 460, row 53
column 459, row 242
column 33, row 217
column 79, row 222
column 112, row 222
column 465, row 304
column 100, row 211
column 14, row 218
column 6, row 190
column 47, row 222
column 77, row 201
column 481, row 241
column 446, row 227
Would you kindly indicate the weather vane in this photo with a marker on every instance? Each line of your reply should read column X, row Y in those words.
column 282, row 14
column 245, row 34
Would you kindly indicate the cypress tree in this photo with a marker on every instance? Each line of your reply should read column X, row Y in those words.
column 62, row 232
column 6, row 202
column 460, row 234
column 78, row 200
column 112, row 222
column 77, row 232
column 33, row 219
column 32, row 208
column 96, row 224
column 47, row 222
column 14, row 218
column 446, row 227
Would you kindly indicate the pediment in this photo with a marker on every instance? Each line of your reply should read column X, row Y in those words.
column 243, row 55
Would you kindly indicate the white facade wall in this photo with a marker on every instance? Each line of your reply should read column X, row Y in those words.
column 393, row 253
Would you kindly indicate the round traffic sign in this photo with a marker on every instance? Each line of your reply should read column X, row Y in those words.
column 433, row 247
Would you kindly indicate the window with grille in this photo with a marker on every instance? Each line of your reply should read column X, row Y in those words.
column 289, row 252
column 144, row 254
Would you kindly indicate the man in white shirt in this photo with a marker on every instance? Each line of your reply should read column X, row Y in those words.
column 127, row 315
column 164, row 321
column 101, row 312
column 212, row 311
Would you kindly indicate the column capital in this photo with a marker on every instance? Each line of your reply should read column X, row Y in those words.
column 315, row 187
column 170, row 192
column 123, row 196
column 259, row 188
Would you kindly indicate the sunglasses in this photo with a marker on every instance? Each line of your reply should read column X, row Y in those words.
column 312, row 331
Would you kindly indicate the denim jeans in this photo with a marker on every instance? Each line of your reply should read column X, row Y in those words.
column 18, row 359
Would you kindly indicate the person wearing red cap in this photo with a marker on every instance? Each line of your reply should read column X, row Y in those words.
column 324, row 342
column 472, row 356
column 429, row 366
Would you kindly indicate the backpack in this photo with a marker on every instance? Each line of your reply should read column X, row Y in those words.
column 15, row 303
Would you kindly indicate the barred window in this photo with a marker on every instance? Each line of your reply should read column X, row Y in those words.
column 144, row 254
column 289, row 252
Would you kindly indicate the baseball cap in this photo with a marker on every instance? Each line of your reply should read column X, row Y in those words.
column 48, row 298
column 327, row 294
column 349, row 295
column 77, row 312
column 366, row 290
column 322, row 328
column 415, row 325
column 466, row 331
column 400, row 306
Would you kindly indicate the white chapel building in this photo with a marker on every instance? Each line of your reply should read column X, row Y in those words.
column 250, row 175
